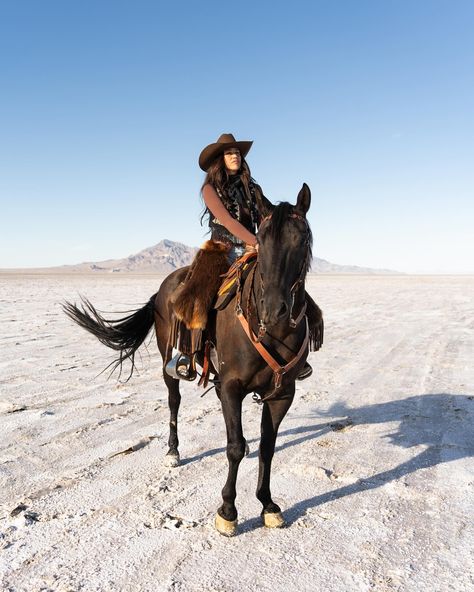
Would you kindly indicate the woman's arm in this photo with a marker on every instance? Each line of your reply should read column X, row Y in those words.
column 219, row 211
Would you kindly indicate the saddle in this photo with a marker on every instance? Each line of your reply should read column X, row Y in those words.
column 209, row 277
column 209, row 286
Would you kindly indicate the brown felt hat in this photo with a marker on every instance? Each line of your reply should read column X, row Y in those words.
column 224, row 142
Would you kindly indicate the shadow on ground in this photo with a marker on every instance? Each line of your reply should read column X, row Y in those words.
column 443, row 423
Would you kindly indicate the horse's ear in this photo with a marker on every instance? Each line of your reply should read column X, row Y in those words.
column 304, row 199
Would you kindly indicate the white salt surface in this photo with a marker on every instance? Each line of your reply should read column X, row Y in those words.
column 373, row 468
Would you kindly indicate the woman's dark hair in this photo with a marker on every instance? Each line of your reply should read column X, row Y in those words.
column 218, row 177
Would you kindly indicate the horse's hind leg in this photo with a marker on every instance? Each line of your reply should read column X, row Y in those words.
column 273, row 412
column 163, row 316
column 174, row 400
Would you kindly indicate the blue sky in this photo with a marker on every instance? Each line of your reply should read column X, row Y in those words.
column 106, row 105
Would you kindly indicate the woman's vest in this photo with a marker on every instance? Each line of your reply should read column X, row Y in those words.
column 241, row 205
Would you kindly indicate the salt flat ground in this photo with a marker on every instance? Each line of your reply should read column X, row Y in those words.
column 373, row 468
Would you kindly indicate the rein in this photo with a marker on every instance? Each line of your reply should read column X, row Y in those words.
column 278, row 370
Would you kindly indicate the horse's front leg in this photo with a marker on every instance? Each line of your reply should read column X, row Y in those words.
column 273, row 412
column 231, row 401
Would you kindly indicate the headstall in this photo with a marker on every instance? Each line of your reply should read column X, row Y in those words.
column 278, row 369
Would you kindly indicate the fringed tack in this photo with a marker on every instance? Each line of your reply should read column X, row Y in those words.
column 206, row 368
column 174, row 332
column 315, row 323
column 187, row 341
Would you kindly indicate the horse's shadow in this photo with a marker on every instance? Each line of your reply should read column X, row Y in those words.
column 442, row 423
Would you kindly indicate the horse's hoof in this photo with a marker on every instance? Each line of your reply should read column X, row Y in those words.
column 171, row 460
column 273, row 519
column 226, row 527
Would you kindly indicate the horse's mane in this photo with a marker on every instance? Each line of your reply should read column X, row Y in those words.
column 279, row 217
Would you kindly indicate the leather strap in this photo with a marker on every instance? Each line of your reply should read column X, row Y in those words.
column 278, row 370
column 298, row 319
column 206, row 367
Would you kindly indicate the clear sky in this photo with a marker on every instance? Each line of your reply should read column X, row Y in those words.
column 105, row 106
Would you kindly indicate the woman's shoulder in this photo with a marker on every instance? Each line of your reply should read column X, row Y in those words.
column 209, row 188
column 210, row 193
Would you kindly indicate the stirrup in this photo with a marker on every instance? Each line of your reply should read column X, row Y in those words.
column 181, row 367
column 306, row 372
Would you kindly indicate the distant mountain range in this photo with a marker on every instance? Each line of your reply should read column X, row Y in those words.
column 168, row 255
column 164, row 257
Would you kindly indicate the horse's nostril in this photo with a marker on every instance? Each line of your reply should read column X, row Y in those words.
column 283, row 310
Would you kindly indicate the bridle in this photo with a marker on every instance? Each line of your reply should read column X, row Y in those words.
column 302, row 272
column 278, row 369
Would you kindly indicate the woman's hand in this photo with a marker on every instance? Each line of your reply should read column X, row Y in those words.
column 249, row 247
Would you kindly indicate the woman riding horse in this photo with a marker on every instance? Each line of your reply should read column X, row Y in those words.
column 260, row 339
column 234, row 203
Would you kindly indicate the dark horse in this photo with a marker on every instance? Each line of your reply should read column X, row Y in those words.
column 273, row 301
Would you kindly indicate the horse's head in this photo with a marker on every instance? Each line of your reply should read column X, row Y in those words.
column 284, row 256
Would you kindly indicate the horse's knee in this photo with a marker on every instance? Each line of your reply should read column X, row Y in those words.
column 236, row 451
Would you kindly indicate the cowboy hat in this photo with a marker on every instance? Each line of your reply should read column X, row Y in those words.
column 224, row 142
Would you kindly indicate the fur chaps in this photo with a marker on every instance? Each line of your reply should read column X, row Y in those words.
column 194, row 297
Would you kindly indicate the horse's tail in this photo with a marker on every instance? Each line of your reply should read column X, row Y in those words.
column 124, row 335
